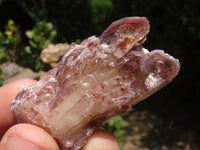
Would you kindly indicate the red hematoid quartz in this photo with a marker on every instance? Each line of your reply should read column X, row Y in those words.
column 100, row 78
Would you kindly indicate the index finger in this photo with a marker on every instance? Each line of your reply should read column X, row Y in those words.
column 7, row 93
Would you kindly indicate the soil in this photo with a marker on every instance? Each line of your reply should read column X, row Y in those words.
column 150, row 131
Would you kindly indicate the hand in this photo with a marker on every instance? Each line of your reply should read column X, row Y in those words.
column 29, row 137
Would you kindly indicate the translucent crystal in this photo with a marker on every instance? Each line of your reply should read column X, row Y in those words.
column 100, row 78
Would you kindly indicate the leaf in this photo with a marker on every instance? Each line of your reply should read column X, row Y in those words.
column 38, row 65
column 53, row 33
column 33, row 44
column 118, row 127
column 29, row 34
column 10, row 38
column 1, row 55
column 11, row 22
column 122, row 142
column 119, row 133
column 49, row 26
column 37, row 38
column 28, row 49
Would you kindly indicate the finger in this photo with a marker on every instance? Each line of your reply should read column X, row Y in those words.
column 7, row 93
column 102, row 140
column 27, row 137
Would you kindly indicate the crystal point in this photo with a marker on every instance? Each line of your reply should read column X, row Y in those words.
column 100, row 78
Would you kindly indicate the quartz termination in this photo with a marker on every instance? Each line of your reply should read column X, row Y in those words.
column 100, row 78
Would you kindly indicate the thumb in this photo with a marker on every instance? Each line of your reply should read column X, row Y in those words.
column 27, row 137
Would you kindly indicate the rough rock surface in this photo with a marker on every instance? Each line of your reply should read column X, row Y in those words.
column 147, row 130
column 12, row 72
column 52, row 54
column 9, row 69
column 100, row 78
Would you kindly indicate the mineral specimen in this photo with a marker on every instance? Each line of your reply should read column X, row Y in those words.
column 100, row 78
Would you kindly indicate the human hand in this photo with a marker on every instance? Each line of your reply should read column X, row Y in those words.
column 29, row 137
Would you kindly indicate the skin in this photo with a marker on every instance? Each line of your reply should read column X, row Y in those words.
column 26, row 136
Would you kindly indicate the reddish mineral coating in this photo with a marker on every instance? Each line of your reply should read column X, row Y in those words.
column 100, row 78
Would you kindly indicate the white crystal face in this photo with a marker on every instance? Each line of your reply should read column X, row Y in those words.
column 153, row 80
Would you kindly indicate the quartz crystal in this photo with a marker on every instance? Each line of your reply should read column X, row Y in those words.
column 100, row 78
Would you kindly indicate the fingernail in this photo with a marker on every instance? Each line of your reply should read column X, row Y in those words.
column 101, row 143
column 17, row 143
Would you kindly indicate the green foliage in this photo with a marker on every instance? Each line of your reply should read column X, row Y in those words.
column 39, row 38
column 78, row 41
column 118, row 127
column 100, row 9
column 41, row 35
column 10, row 40
column 12, row 48
column 1, row 78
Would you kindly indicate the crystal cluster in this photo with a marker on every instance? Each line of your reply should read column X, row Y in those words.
column 100, row 78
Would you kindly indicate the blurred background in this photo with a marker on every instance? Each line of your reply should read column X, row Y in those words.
column 169, row 119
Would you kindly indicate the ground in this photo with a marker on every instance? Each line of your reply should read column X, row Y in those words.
column 149, row 131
